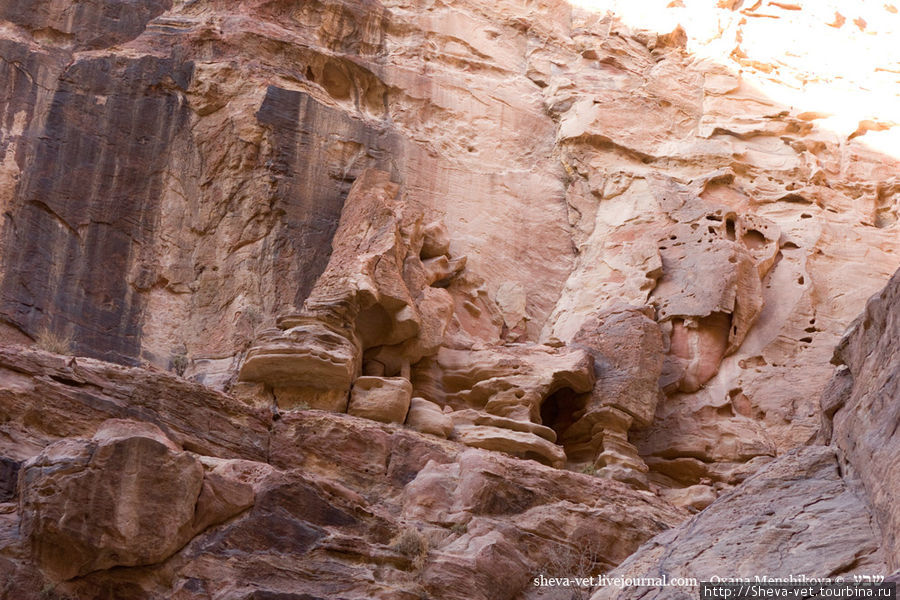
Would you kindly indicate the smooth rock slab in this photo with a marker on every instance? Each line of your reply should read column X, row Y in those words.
column 516, row 443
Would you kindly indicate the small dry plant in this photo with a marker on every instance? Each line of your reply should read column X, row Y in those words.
column 49, row 340
column 459, row 528
column 179, row 363
column 589, row 469
column 584, row 560
column 413, row 545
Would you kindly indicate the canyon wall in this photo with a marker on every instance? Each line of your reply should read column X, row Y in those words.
column 412, row 298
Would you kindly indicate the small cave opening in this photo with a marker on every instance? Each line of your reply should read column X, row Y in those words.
column 373, row 325
column 561, row 409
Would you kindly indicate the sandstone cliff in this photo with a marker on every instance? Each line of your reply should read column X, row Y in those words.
column 404, row 299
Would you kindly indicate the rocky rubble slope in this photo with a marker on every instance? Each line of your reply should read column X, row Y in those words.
column 402, row 299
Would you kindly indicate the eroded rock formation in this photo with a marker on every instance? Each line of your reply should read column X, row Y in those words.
column 831, row 504
column 399, row 299
column 339, row 505
column 378, row 307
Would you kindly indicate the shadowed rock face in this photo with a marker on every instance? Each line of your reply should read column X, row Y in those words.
column 89, row 200
column 87, row 24
column 9, row 472
column 309, row 186
column 799, row 502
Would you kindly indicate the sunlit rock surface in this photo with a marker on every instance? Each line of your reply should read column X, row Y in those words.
column 404, row 299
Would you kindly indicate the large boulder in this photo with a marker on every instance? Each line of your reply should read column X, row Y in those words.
column 129, row 496
column 383, row 399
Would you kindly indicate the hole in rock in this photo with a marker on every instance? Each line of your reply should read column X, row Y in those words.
column 373, row 326
column 561, row 409
column 801, row 280
column 806, row 216
column 884, row 220
column 796, row 199
column 789, row 245
column 753, row 239
column 725, row 411
column 806, row 340
column 335, row 82
column 729, row 229
column 752, row 362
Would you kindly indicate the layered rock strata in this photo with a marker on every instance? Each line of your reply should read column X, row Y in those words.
column 860, row 409
column 174, row 175
column 350, row 249
column 339, row 506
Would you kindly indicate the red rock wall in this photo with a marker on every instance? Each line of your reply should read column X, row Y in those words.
column 566, row 235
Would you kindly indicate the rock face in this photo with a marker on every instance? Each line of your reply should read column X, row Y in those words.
column 832, row 506
column 403, row 299
column 127, row 497
column 342, row 506
column 862, row 401
column 798, row 502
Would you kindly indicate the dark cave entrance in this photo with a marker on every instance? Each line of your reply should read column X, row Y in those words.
column 560, row 411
